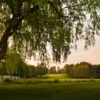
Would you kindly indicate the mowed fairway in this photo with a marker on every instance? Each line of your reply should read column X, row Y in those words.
column 69, row 90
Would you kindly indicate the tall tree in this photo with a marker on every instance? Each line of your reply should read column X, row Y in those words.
column 34, row 23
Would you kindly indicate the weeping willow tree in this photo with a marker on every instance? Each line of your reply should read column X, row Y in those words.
column 32, row 24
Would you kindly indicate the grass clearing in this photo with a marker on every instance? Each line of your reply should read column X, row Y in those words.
column 72, row 89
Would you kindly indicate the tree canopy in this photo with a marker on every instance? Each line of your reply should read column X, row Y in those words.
column 41, row 69
column 34, row 23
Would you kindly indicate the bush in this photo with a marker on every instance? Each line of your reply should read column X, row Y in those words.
column 8, row 80
column 56, row 81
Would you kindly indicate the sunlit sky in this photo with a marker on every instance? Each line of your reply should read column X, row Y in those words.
column 92, row 55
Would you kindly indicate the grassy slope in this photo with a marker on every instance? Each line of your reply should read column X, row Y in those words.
column 51, row 91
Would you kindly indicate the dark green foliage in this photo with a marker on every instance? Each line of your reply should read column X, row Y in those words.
column 52, row 70
column 14, row 65
column 41, row 69
column 56, row 81
column 32, row 71
column 97, row 69
column 67, row 68
column 60, row 70
column 7, row 80
column 3, row 68
column 21, row 69
column 0, row 71
column 83, row 70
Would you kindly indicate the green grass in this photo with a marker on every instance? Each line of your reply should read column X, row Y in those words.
column 60, row 76
column 51, row 91
column 69, row 90
column 50, row 78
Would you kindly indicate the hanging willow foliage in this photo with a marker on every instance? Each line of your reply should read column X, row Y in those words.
column 34, row 23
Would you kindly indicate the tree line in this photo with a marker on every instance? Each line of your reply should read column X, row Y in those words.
column 23, row 70
column 15, row 65
column 82, row 70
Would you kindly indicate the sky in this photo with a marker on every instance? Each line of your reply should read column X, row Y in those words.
column 92, row 55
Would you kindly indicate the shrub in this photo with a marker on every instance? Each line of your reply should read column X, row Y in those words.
column 8, row 80
column 56, row 81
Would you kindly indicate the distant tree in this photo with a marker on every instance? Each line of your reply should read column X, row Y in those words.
column 82, row 70
column 86, row 70
column 60, row 70
column 41, row 69
column 68, row 69
column 32, row 71
column 97, row 69
column 52, row 70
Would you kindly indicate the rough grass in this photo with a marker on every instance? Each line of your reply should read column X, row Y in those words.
column 28, row 89
column 52, row 78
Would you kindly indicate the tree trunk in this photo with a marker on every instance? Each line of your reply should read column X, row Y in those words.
column 13, row 26
column 10, row 30
column 4, row 44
